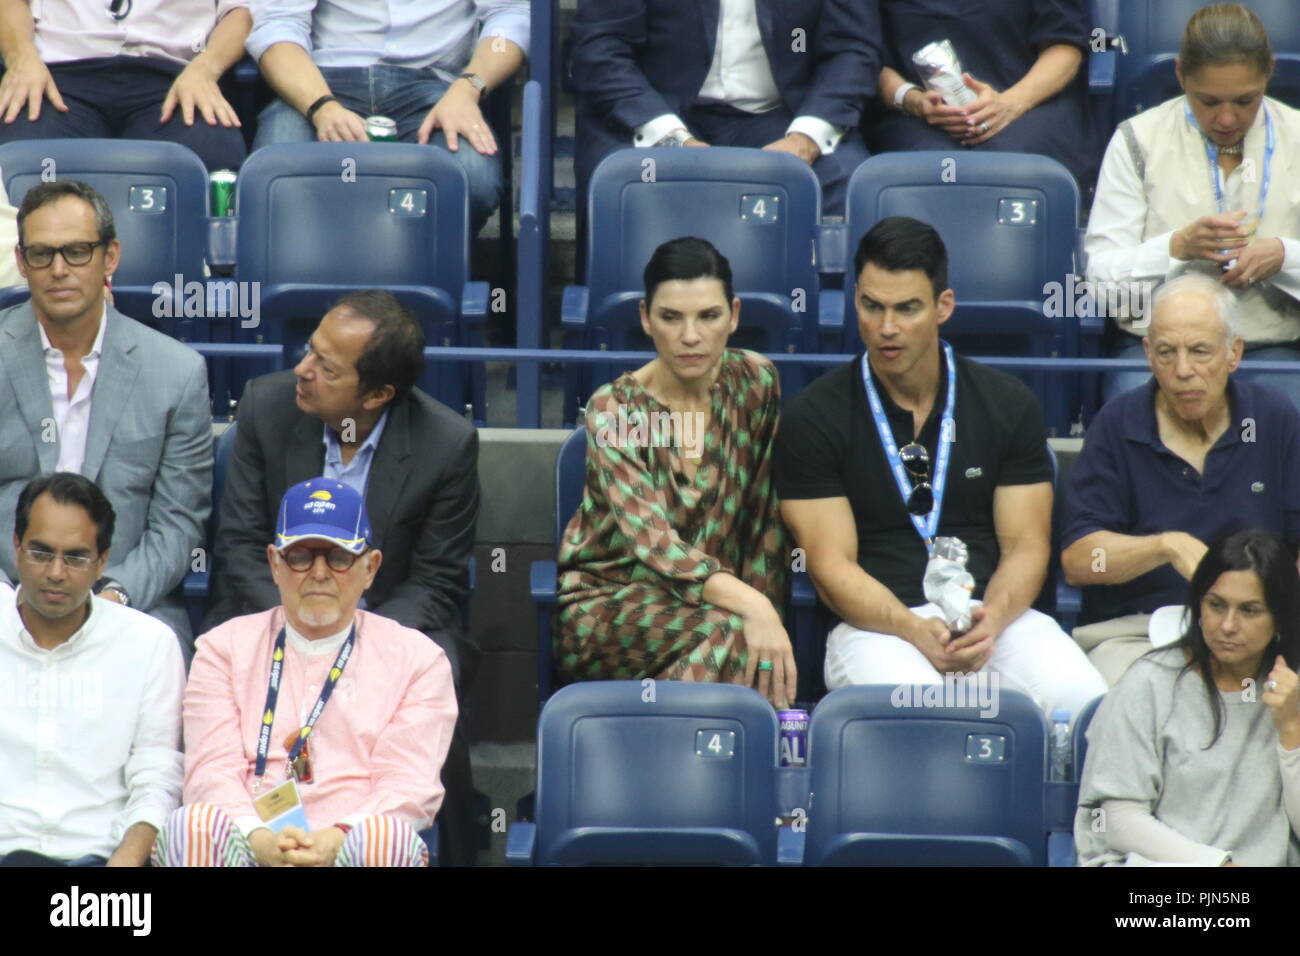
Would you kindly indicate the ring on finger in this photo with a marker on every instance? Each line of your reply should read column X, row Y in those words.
column 764, row 665
column 1271, row 685
column 984, row 127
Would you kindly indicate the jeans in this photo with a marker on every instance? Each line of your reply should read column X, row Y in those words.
column 405, row 96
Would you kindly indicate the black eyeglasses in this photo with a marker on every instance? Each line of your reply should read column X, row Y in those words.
column 301, row 558
column 74, row 253
column 917, row 462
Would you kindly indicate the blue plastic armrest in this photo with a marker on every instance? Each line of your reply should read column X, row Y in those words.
column 789, row 847
column 430, row 838
column 520, row 840
column 196, row 584
column 221, row 240
column 573, row 307
column 830, row 315
column 541, row 582
column 474, row 302
column 830, row 246
column 1060, row 849
column 1101, row 71
column 802, row 592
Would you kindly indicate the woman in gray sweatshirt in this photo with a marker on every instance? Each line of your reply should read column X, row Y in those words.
column 1194, row 756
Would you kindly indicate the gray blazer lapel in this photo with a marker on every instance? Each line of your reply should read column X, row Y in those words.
column 24, row 364
column 119, row 366
column 388, row 470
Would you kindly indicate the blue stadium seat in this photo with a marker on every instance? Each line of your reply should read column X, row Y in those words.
column 759, row 208
column 925, row 786
column 570, row 480
column 1010, row 222
column 1153, row 32
column 197, row 584
column 159, row 196
column 320, row 219
column 653, row 772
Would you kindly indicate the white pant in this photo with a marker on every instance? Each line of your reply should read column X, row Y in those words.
column 1033, row 655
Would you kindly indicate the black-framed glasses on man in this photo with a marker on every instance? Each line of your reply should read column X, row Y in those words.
column 77, row 562
column 301, row 558
column 917, row 462
column 74, row 253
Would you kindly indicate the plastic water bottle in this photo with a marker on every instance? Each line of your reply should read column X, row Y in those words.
column 1060, row 745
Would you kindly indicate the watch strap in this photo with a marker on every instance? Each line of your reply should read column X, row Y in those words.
column 311, row 110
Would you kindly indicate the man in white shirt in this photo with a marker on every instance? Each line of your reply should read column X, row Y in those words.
column 791, row 76
column 90, row 765
column 130, row 69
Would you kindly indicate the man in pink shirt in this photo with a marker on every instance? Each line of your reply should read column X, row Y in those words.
column 134, row 69
column 315, row 708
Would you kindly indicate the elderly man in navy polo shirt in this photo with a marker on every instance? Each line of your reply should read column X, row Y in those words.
column 1193, row 454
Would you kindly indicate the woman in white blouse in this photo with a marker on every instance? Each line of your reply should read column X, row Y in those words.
column 1194, row 756
column 1208, row 181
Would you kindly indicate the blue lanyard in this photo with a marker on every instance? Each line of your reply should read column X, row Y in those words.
column 273, row 694
column 1270, row 143
column 925, row 527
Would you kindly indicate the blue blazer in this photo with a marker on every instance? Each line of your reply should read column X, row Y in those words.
column 634, row 60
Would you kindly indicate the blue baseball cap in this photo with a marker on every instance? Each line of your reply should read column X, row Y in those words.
column 323, row 509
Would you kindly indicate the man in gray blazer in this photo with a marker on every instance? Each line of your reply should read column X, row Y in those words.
column 350, row 411
column 84, row 388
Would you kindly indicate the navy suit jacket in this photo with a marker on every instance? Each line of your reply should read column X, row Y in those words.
column 634, row 60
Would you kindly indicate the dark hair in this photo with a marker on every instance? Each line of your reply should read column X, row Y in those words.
column 394, row 353
column 1275, row 565
column 687, row 258
column 68, row 488
column 42, row 194
column 1225, row 34
column 900, row 244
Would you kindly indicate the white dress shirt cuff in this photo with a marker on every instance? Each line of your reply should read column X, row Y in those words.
column 1288, row 277
column 153, row 809
column 249, row 823
column 825, row 135
column 647, row 134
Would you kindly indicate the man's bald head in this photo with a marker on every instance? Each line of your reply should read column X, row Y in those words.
column 1193, row 298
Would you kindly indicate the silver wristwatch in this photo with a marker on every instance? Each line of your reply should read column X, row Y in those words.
column 475, row 81
column 677, row 137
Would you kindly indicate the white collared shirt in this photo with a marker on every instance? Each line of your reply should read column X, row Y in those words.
column 741, row 76
column 72, row 415
column 175, row 30
column 89, row 731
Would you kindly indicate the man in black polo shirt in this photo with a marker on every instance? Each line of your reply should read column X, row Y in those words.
column 1193, row 455
column 991, row 481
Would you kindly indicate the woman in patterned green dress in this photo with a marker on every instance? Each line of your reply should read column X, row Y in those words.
column 675, row 565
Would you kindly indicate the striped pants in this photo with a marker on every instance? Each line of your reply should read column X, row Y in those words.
column 201, row 834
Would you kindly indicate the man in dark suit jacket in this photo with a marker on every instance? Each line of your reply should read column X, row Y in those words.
column 789, row 75
column 350, row 411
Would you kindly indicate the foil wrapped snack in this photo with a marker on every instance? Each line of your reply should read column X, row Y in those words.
column 949, row 585
column 941, row 72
